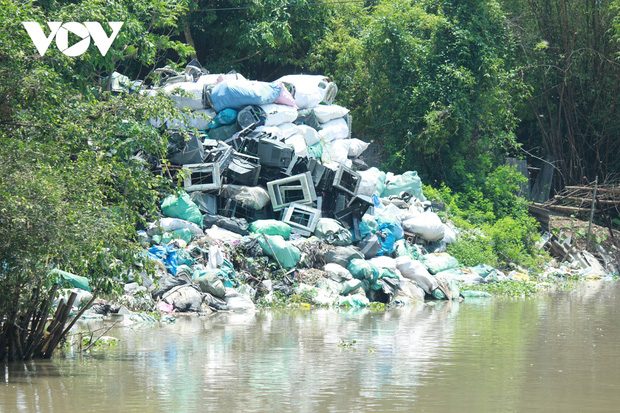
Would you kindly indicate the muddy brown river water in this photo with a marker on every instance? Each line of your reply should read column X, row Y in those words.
column 558, row 353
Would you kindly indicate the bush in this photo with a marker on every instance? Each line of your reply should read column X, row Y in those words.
column 474, row 248
column 496, row 227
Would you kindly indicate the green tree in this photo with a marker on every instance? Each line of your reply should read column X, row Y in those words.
column 72, row 190
column 434, row 82
column 569, row 53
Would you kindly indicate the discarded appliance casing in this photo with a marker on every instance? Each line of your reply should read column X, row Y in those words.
column 301, row 218
column 298, row 188
column 351, row 216
column 202, row 177
column 271, row 152
column 182, row 152
column 235, row 209
column 251, row 117
column 207, row 203
column 369, row 246
column 243, row 170
column 347, row 180
column 221, row 154
column 224, row 132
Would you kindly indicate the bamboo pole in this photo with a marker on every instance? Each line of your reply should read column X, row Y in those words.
column 37, row 337
column 78, row 315
column 57, row 336
column 613, row 190
column 592, row 214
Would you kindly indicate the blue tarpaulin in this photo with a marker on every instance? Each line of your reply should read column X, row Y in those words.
column 167, row 255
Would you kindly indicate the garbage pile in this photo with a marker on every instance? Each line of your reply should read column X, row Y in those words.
column 277, row 200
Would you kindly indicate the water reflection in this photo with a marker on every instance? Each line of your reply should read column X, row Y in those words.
column 559, row 352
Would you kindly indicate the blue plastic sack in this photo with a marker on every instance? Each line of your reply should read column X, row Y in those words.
column 225, row 117
column 365, row 230
column 387, row 241
column 386, row 222
column 167, row 255
column 236, row 94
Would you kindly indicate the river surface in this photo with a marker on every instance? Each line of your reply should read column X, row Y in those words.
column 558, row 353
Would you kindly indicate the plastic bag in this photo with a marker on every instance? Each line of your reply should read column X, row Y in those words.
column 352, row 286
column 299, row 144
column 307, row 117
column 428, row 225
column 370, row 179
column 76, row 281
column 355, row 300
column 384, row 262
column 275, row 246
column 439, row 262
column 185, row 258
column 408, row 182
column 343, row 255
column 334, row 130
column 488, row 273
column 310, row 90
column 184, row 298
column 417, row 272
column 236, row 94
column 331, row 231
column 356, row 147
column 285, row 97
column 193, row 100
column 325, row 113
column 215, row 257
column 225, row 117
column 279, row 114
column 238, row 302
column 449, row 236
column 250, row 197
column 409, row 291
column 181, row 207
column 271, row 227
column 166, row 255
column 316, row 151
column 363, row 270
column 222, row 235
column 209, row 282
column 336, row 151
column 387, row 240
column 184, row 234
column 337, row 272
column 238, row 225
column 173, row 224
column 310, row 135
column 404, row 249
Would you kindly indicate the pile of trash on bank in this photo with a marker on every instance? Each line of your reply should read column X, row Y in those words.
column 277, row 200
